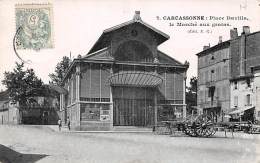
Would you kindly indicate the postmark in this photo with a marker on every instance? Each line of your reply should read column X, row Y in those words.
column 34, row 22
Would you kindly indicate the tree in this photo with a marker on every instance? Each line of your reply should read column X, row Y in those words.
column 191, row 95
column 193, row 84
column 60, row 70
column 20, row 82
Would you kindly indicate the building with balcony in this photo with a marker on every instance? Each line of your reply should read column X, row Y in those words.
column 124, row 80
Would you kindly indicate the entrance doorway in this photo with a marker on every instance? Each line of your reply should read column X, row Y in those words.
column 133, row 106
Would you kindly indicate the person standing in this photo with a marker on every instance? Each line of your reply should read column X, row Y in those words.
column 59, row 123
column 68, row 123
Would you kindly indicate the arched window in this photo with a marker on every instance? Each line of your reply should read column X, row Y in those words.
column 133, row 51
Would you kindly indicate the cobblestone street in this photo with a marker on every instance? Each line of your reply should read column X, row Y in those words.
column 42, row 144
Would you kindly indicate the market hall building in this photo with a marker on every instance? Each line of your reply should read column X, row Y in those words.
column 124, row 80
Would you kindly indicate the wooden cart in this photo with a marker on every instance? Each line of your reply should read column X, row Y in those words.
column 204, row 126
column 195, row 126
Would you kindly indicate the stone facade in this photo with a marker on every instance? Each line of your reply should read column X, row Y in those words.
column 9, row 113
column 213, row 80
column 227, row 74
column 256, row 97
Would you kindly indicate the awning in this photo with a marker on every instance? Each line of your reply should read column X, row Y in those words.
column 135, row 78
column 240, row 110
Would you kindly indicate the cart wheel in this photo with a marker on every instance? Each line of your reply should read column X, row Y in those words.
column 204, row 126
column 190, row 130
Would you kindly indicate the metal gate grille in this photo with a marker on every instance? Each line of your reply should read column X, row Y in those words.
column 133, row 106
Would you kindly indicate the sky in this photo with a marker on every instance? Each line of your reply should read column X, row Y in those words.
column 77, row 24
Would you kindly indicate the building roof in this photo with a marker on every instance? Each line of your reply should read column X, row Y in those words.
column 102, row 54
column 221, row 45
column 164, row 58
column 105, row 38
column 4, row 96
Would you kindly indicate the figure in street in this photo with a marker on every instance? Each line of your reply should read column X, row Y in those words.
column 68, row 123
column 59, row 124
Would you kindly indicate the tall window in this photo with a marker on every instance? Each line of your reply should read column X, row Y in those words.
column 248, row 100
column 248, row 83
column 212, row 75
column 235, row 85
column 235, row 101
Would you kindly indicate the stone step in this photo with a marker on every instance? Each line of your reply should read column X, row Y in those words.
column 132, row 128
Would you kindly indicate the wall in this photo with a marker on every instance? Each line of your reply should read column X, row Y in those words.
column 9, row 115
column 94, row 105
column 257, row 95
column 240, row 90
column 252, row 53
column 74, row 115
column 214, row 70
column 172, row 86
column 235, row 57
column 143, row 35
column 94, row 81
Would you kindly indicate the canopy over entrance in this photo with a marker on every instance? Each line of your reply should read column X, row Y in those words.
column 240, row 110
column 135, row 78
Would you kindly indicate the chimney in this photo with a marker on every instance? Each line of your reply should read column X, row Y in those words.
column 246, row 30
column 137, row 16
column 206, row 47
column 233, row 33
column 243, row 50
column 220, row 39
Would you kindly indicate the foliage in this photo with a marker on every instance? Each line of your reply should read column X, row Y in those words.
column 60, row 70
column 193, row 85
column 191, row 95
column 20, row 82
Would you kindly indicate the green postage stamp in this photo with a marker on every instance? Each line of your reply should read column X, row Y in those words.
column 34, row 26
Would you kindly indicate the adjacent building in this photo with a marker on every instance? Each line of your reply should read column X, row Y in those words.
column 227, row 80
column 256, row 90
column 9, row 113
column 213, row 79
column 245, row 50
column 124, row 80
column 43, row 108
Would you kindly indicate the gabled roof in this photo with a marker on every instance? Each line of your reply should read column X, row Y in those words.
column 105, row 38
column 102, row 54
column 164, row 58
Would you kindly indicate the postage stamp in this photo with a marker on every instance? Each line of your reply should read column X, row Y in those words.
column 34, row 22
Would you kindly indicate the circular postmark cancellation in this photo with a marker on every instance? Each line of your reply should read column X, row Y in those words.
column 35, row 24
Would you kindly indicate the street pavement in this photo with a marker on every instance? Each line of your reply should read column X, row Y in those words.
column 44, row 144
